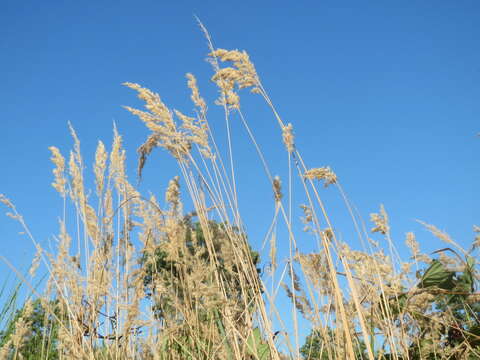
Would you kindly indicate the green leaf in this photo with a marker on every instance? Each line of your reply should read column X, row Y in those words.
column 473, row 338
column 437, row 275
column 257, row 347
column 468, row 277
column 397, row 304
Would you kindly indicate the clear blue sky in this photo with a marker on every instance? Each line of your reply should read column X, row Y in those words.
column 386, row 93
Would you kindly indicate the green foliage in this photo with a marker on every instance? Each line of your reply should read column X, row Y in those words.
column 8, row 310
column 317, row 347
column 195, row 244
column 257, row 347
column 41, row 338
column 193, row 257
column 450, row 292
column 450, row 295
column 437, row 275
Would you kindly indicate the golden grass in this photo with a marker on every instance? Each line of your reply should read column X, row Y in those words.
column 114, row 299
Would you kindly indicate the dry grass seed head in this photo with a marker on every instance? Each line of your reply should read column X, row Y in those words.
column 145, row 149
column 160, row 121
column 22, row 326
column 99, row 167
column 476, row 240
column 92, row 223
column 242, row 74
column 173, row 192
column 77, row 193
column 412, row 244
column 314, row 267
column 442, row 235
column 196, row 98
column 414, row 247
column 277, row 189
column 35, row 261
column 196, row 132
column 307, row 217
column 59, row 170
column 288, row 137
column 323, row 173
column 380, row 221
column 117, row 162
column 273, row 253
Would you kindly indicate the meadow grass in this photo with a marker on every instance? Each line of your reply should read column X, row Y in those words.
column 142, row 281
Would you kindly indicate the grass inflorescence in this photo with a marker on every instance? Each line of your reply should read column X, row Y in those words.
column 136, row 279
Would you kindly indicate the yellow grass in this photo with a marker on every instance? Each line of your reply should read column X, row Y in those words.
column 112, row 299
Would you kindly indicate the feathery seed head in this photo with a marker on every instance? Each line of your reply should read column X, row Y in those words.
column 78, row 192
column 35, row 261
column 59, row 171
column 159, row 119
column 381, row 221
column 412, row 244
column 476, row 241
column 196, row 98
column 277, row 188
column 100, row 165
column 323, row 173
column 173, row 191
column 242, row 74
column 288, row 138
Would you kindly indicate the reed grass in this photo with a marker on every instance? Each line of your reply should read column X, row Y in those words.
column 133, row 279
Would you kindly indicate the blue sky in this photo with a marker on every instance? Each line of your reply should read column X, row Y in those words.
column 386, row 93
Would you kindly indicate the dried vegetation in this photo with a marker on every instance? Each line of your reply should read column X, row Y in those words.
column 138, row 280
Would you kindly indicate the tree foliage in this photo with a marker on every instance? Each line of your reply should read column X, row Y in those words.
column 450, row 321
column 165, row 270
column 40, row 340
